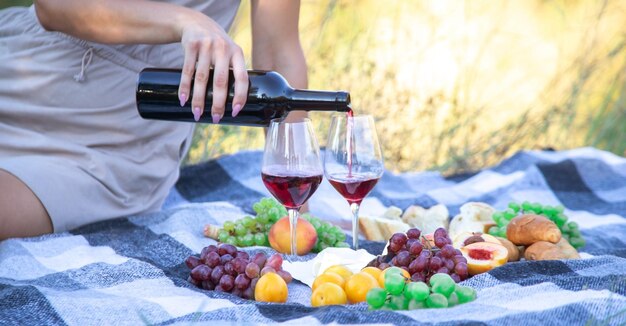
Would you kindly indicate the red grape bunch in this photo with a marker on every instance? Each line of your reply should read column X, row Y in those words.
column 223, row 268
column 418, row 256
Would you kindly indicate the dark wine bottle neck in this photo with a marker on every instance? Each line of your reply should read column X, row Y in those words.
column 309, row 100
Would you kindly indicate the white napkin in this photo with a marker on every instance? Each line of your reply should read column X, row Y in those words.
column 307, row 271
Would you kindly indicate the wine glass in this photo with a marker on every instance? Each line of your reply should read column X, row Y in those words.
column 292, row 169
column 353, row 161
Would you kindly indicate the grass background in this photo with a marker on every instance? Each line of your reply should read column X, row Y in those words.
column 459, row 85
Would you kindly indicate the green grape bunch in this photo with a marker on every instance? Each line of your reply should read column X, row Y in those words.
column 268, row 211
column 441, row 291
column 328, row 235
column 569, row 230
column 252, row 231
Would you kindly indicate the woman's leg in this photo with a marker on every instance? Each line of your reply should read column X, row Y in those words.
column 21, row 212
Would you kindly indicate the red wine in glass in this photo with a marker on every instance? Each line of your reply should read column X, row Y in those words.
column 291, row 190
column 292, row 170
column 353, row 162
column 353, row 188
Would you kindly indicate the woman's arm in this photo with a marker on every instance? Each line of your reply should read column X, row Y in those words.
column 276, row 41
column 204, row 41
column 115, row 21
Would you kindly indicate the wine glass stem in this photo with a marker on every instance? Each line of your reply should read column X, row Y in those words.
column 355, row 225
column 293, row 224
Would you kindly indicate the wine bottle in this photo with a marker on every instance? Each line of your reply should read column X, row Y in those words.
column 269, row 97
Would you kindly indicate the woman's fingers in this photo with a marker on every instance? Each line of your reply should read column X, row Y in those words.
column 220, row 80
column 241, row 81
column 205, row 45
column 189, row 67
column 200, row 81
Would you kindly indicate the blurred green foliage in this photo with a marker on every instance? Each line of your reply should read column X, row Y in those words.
column 459, row 85
column 11, row 3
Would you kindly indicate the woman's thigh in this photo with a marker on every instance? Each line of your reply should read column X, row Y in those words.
column 21, row 212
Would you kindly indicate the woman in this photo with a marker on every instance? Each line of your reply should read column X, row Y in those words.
column 73, row 149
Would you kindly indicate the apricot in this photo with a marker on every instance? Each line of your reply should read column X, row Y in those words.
column 271, row 288
column 328, row 294
column 484, row 256
column 358, row 285
column 374, row 271
column 328, row 277
column 280, row 236
column 342, row 270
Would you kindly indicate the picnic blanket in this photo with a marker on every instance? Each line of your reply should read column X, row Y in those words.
column 131, row 270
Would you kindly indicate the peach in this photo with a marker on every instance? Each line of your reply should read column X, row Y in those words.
column 484, row 256
column 280, row 236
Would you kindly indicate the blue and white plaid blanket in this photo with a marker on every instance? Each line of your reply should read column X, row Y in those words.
column 131, row 271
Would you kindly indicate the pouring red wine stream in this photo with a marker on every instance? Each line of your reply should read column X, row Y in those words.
column 353, row 188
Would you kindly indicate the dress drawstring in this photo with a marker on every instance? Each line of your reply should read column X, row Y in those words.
column 80, row 77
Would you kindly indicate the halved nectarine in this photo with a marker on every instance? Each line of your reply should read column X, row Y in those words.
column 484, row 256
column 466, row 238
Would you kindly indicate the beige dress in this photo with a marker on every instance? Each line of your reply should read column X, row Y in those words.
column 69, row 126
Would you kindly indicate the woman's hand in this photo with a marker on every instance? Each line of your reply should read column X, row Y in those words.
column 206, row 44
